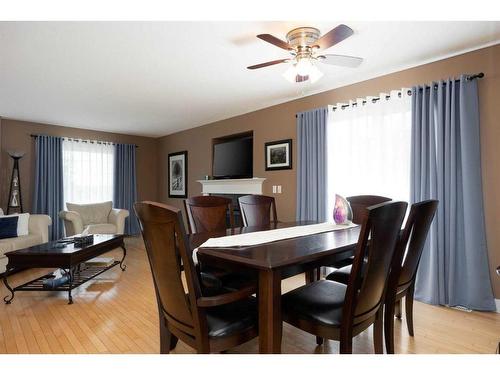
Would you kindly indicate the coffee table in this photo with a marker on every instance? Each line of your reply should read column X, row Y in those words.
column 69, row 257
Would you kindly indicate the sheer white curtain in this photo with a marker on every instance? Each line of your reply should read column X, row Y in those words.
column 368, row 148
column 87, row 171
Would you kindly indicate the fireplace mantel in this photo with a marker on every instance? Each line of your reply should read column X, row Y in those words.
column 232, row 186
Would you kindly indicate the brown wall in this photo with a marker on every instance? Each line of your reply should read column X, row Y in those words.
column 278, row 122
column 15, row 135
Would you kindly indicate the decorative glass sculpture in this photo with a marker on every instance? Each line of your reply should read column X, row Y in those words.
column 342, row 212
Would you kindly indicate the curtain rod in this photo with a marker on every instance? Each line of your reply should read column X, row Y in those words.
column 82, row 140
column 468, row 78
column 387, row 97
column 363, row 102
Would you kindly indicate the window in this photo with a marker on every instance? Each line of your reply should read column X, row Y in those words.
column 368, row 148
column 87, row 171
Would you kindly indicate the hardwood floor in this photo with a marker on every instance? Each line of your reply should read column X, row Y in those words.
column 116, row 313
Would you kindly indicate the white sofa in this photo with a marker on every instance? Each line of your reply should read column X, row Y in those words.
column 38, row 233
column 95, row 218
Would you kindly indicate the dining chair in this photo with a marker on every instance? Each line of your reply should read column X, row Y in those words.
column 208, row 213
column 403, row 270
column 336, row 311
column 206, row 323
column 256, row 210
column 359, row 203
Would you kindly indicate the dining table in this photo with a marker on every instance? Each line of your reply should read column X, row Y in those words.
column 272, row 262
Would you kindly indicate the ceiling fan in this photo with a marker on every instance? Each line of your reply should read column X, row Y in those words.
column 304, row 45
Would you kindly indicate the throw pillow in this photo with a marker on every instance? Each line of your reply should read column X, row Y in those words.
column 22, row 223
column 8, row 226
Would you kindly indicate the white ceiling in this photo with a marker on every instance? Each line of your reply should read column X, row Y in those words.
column 156, row 78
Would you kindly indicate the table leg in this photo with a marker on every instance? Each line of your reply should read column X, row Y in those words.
column 8, row 299
column 313, row 275
column 123, row 266
column 70, row 286
column 270, row 323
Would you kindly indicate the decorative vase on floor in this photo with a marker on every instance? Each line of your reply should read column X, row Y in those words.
column 342, row 212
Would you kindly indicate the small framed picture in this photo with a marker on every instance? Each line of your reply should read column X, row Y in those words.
column 278, row 155
column 177, row 175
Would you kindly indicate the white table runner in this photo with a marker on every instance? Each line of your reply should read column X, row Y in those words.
column 266, row 236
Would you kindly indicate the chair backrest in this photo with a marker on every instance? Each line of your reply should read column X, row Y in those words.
column 256, row 210
column 208, row 213
column 377, row 241
column 165, row 240
column 359, row 203
column 413, row 239
column 93, row 213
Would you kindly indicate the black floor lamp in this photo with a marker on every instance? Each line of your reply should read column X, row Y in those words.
column 15, row 199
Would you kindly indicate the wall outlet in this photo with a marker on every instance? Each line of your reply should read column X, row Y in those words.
column 274, row 189
column 279, row 189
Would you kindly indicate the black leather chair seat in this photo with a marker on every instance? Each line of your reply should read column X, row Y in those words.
column 210, row 284
column 343, row 263
column 403, row 287
column 341, row 275
column 232, row 318
column 235, row 281
column 213, row 280
column 320, row 301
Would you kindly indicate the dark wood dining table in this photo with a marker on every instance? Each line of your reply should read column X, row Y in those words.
column 273, row 262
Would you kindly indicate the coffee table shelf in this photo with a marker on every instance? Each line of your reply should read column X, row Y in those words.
column 79, row 277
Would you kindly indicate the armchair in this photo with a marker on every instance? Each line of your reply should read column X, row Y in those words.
column 96, row 218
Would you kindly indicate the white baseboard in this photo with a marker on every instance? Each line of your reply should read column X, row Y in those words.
column 497, row 302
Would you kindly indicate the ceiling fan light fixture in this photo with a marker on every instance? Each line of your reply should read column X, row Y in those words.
column 314, row 74
column 303, row 44
column 304, row 66
column 290, row 74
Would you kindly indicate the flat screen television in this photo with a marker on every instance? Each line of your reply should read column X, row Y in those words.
column 233, row 158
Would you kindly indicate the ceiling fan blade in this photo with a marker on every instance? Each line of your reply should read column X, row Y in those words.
column 269, row 63
column 334, row 36
column 276, row 41
column 341, row 60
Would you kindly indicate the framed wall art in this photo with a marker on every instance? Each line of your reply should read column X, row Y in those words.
column 177, row 175
column 278, row 155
